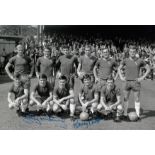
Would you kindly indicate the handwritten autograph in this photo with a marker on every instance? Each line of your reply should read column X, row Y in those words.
column 59, row 122
column 78, row 123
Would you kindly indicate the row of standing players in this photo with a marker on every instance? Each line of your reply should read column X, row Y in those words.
column 98, row 93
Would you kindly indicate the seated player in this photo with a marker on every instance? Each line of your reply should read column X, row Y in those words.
column 63, row 97
column 42, row 94
column 88, row 95
column 110, row 100
column 21, row 93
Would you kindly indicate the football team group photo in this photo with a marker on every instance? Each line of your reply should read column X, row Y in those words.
column 77, row 77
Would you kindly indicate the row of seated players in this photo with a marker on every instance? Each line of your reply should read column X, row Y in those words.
column 45, row 97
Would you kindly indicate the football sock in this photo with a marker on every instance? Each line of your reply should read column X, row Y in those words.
column 137, row 108
column 126, row 103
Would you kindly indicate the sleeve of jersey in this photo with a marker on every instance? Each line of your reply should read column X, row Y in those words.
column 35, row 88
column 12, row 61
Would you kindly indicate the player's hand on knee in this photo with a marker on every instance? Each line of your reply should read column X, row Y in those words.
column 39, row 106
column 44, row 105
column 17, row 101
column 107, row 108
column 111, row 107
column 64, row 107
column 60, row 101
column 99, row 107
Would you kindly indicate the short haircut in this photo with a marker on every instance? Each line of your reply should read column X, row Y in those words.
column 63, row 77
column 132, row 46
column 42, row 76
column 19, row 47
column 47, row 49
column 17, row 75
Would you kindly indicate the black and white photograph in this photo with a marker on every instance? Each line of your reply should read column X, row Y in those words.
column 77, row 77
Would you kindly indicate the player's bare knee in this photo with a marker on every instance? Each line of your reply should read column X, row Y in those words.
column 11, row 105
column 55, row 107
column 120, row 108
column 95, row 105
column 31, row 103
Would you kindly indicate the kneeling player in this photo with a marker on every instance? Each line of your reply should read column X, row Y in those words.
column 110, row 100
column 42, row 94
column 20, row 92
column 63, row 97
column 88, row 95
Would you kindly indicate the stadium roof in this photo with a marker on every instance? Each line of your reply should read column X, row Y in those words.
column 10, row 37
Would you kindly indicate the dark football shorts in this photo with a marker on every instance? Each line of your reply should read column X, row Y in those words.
column 71, row 80
column 132, row 85
column 26, row 80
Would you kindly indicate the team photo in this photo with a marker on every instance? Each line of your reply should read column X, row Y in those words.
column 77, row 77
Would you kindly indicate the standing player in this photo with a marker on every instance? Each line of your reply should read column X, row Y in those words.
column 42, row 94
column 111, row 99
column 63, row 96
column 21, row 64
column 20, row 92
column 45, row 65
column 132, row 80
column 88, row 95
column 66, row 63
column 104, row 67
column 86, row 64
